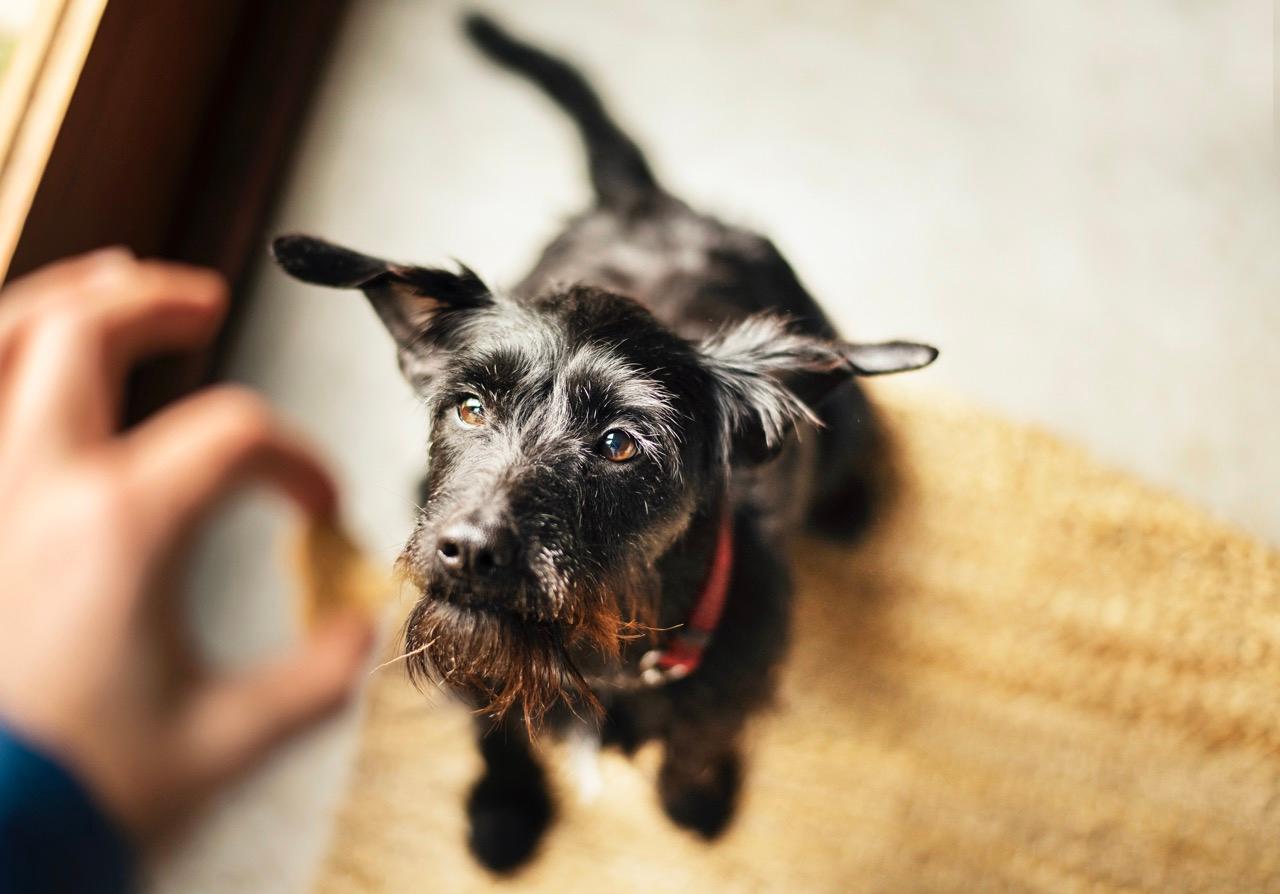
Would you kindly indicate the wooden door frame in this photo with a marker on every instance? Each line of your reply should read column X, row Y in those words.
column 159, row 125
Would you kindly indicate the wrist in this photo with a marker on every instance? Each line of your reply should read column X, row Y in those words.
column 54, row 827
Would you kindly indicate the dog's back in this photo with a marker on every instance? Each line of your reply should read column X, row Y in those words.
column 696, row 274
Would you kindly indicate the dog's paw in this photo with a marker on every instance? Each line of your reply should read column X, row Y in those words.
column 703, row 802
column 507, row 821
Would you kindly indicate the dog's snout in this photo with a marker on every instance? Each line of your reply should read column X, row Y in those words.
column 476, row 549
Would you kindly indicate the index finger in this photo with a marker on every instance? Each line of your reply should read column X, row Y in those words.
column 98, row 319
column 78, row 273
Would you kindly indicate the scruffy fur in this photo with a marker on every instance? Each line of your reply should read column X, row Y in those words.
column 546, row 567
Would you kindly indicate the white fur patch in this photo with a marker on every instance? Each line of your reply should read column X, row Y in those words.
column 584, row 763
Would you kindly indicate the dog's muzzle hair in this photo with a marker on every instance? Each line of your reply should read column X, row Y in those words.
column 499, row 658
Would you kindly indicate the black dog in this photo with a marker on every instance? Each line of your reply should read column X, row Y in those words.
column 614, row 474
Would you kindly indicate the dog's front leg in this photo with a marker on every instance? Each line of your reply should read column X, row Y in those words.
column 509, row 807
column 700, row 773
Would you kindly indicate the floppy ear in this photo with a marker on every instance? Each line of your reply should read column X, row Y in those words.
column 770, row 378
column 420, row 306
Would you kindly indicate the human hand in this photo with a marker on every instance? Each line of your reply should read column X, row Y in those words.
column 95, row 664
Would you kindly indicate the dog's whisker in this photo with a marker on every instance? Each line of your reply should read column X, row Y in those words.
column 629, row 625
column 407, row 655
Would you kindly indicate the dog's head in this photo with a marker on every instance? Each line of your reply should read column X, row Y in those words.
column 572, row 438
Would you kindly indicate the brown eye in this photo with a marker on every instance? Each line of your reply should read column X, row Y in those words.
column 618, row 446
column 471, row 411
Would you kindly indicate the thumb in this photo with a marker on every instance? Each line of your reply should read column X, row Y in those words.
column 236, row 722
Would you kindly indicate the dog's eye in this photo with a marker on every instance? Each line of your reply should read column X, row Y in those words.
column 471, row 411
column 618, row 446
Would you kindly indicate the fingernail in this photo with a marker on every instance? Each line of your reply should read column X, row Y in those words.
column 112, row 254
column 107, row 264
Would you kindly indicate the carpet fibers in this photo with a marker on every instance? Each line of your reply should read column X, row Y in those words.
column 1036, row 675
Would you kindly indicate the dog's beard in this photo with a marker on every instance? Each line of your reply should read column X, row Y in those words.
column 498, row 661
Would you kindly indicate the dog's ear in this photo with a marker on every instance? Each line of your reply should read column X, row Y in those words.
column 768, row 378
column 420, row 306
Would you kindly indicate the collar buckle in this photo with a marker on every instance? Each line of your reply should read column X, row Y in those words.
column 682, row 655
column 655, row 670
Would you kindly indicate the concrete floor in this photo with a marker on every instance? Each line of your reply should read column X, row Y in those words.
column 1077, row 202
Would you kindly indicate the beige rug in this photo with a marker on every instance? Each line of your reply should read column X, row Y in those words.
column 1037, row 675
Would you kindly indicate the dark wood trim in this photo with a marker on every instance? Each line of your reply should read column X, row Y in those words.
column 176, row 138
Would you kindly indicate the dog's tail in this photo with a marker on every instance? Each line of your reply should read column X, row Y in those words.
column 619, row 172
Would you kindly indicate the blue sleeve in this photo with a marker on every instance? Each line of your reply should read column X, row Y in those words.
column 53, row 837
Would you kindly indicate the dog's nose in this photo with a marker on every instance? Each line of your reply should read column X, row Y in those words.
column 478, row 550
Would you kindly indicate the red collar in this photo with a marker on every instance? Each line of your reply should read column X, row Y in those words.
column 683, row 653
